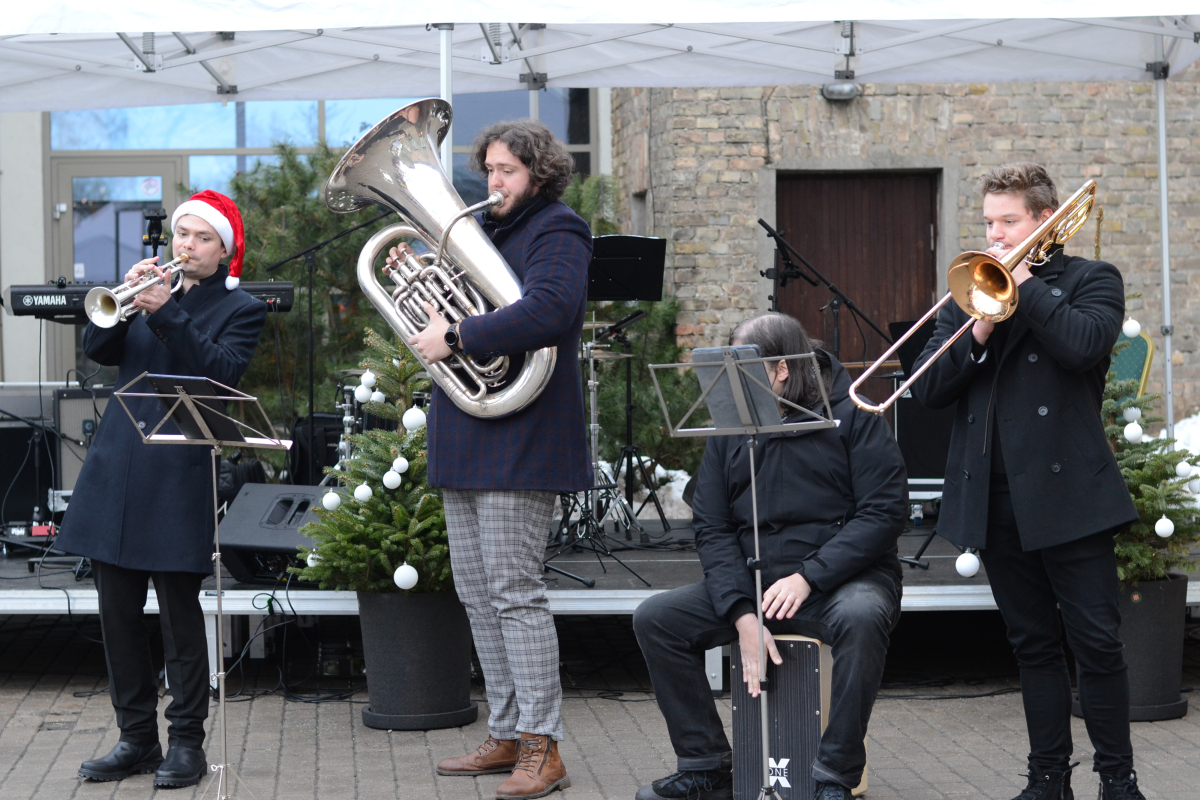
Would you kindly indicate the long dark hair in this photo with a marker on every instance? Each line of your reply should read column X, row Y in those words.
column 780, row 335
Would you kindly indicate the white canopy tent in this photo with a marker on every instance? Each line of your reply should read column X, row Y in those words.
column 76, row 54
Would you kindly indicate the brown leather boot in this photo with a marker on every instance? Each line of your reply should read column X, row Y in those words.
column 539, row 770
column 494, row 755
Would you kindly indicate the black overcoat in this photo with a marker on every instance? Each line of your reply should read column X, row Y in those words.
column 831, row 504
column 1045, row 392
column 150, row 506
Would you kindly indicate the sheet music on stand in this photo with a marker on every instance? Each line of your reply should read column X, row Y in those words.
column 736, row 387
column 199, row 409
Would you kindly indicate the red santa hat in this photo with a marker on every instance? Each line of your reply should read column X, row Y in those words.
column 222, row 213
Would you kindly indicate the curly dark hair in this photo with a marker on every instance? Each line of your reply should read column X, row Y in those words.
column 550, row 165
column 1026, row 180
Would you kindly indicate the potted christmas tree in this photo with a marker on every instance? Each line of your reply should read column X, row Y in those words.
column 1154, row 553
column 383, row 535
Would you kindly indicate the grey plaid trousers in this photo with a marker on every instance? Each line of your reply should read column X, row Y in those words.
column 497, row 540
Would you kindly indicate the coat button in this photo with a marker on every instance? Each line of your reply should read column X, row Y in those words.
column 1056, row 292
column 966, row 475
column 1043, row 411
column 1033, row 358
column 1055, row 468
column 970, row 418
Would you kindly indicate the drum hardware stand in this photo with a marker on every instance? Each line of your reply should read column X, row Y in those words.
column 737, row 410
column 197, row 406
column 587, row 532
column 631, row 454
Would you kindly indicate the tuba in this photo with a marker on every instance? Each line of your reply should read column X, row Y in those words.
column 395, row 164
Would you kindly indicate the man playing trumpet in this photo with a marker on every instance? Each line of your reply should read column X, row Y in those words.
column 144, row 514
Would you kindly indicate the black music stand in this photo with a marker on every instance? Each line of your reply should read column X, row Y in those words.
column 197, row 406
column 735, row 386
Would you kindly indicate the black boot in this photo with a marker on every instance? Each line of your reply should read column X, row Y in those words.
column 1113, row 787
column 184, row 766
column 716, row 784
column 124, row 760
column 831, row 791
column 1048, row 784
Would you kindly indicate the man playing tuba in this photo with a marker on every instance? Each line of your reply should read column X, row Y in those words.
column 500, row 477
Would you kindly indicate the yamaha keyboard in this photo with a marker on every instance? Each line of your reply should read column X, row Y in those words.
column 63, row 302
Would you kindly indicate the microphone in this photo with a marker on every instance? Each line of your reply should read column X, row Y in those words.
column 615, row 328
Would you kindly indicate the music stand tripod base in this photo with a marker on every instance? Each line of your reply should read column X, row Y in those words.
column 197, row 407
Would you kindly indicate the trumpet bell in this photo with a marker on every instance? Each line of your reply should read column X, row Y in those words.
column 102, row 307
column 982, row 286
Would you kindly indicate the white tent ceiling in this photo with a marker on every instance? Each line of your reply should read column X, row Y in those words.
column 77, row 67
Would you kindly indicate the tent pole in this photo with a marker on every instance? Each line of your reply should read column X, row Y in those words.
column 1168, row 329
column 446, row 30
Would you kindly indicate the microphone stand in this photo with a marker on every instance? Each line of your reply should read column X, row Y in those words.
column 309, row 254
column 839, row 297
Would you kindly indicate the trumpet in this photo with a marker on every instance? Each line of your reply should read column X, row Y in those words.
column 106, row 307
column 983, row 286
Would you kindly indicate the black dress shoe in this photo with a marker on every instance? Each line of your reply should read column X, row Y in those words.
column 124, row 760
column 716, row 784
column 184, row 766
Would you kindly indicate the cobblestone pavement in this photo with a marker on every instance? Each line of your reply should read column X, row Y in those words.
column 615, row 739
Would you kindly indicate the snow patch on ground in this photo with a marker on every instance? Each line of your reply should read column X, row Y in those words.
column 1187, row 434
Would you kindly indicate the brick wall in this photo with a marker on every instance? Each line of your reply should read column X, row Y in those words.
column 705, row 162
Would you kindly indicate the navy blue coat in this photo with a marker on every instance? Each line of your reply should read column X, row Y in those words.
column 831, row 504
column 543, row 445
column 150, row 506
column 1044, row 391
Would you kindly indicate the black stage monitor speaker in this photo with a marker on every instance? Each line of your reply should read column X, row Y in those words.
column 798, row 707
column 260, row 533
column 922, row 433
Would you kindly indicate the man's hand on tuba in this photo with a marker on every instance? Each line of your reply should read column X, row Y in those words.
column 431, row 342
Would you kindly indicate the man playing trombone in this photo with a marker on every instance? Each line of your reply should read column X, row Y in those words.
column 1032, row 483
column 143, row 513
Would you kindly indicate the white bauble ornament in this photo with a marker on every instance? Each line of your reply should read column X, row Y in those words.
column 362, row 393
column 378, row 397
column 1194, row 486
column 413, row 419
column 368, row 379
column 1164, row 527
column 362, row 493
column 312, row 560
column 1133, row 433
column 331, row 501
column 967, row 564
column 1132, row 328
column 391, row 479
column 405, row 576
column 1183, row 469
column 400, row 465
column 1132, row 414
column 396, row 362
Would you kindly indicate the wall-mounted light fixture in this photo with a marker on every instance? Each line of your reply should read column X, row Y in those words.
column 841, row 91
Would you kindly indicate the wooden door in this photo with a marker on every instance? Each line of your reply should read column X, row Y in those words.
column 872, row 235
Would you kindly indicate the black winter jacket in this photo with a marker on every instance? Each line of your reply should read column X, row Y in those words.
column 831, row 504
column 150, row 506
column 1043, row 393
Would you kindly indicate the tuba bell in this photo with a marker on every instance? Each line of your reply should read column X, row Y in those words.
column 395, row 164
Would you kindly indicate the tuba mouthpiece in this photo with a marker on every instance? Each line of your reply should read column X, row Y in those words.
column 495, row 199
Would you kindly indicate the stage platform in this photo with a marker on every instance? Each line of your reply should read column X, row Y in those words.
column 669, row 561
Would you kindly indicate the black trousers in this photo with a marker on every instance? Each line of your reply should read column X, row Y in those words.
column 676, row 627
column 1080, row 578
column 132, row 682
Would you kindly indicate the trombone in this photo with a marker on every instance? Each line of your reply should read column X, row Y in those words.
column 982, row 285
column 106, row 307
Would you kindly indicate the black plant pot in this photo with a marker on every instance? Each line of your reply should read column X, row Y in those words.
column 418, row 653
column 1152, row 623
